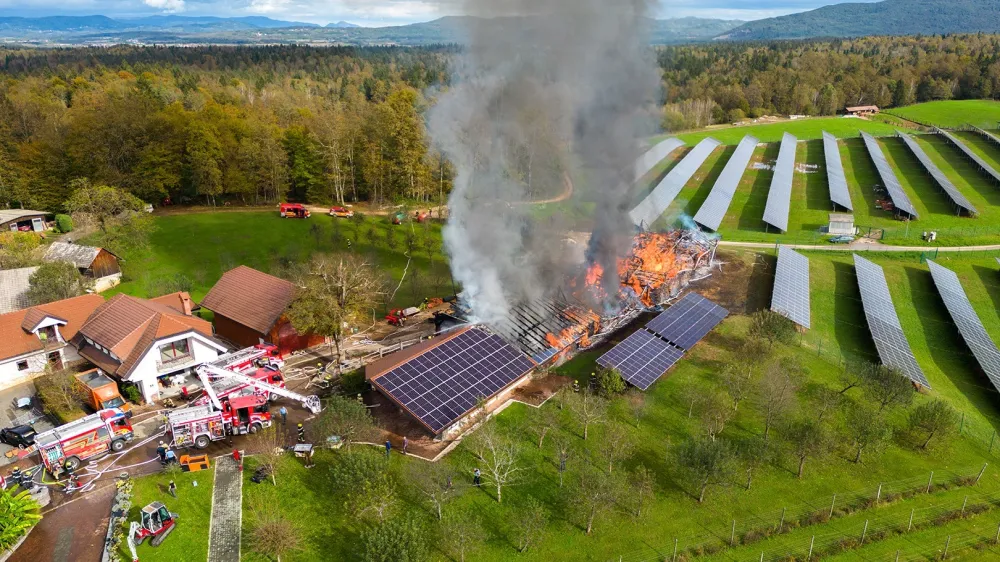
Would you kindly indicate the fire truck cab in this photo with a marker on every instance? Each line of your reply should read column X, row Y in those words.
column 294, row 210
column 66, row 447
column 198, row 426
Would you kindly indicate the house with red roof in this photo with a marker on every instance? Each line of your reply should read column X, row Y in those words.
column 152, row 343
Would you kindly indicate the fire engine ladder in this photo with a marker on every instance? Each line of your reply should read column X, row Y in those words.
column 311, row 403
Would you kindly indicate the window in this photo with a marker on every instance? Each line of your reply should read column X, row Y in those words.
column 174, row 351
column 22, row 365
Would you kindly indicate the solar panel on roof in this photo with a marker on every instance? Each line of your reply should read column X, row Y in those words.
column 942, row 180
column 883, row 323
column 713, row 210
column 983, row 166
column 779, row 197
column 835, row 176
column 444, row 383
column 899, row 198
column 641, row 358
column 687, row 321
column 654, row 156
column 969, row 325
column 790, row 297
column 657, row 202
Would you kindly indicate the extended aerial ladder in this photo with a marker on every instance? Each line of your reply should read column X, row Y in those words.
column 311, row 403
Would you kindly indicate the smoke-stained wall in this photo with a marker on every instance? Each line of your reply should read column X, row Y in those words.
column 573, row 84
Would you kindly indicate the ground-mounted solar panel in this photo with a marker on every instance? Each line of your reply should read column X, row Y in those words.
column 883, row 323
column 688, row 320
column 442, row 384
column 983, row 166
column 987, row 135
column 654, row 156
column 657, row 202
column 641, row 358
column 714, row 209
column 939, row 177
column 969, row 325
column 899, row 198
column 835, row 175
column 779, row 197
column 790, row 297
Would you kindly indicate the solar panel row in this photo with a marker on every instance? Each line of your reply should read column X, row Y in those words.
column 988, row 135
column 442, row 384
column 654, row 156
column 687, row 321
column 899, row 198
column 790, row 297
column 883, row 323
column 641, row 358
column 713, row 210
column 657, row 202
column 983, row 166
column 969, row 325
column 835, row 176
column 939, row 177
column 779, row 197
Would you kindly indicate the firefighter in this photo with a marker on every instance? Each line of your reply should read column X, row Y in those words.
column 302, row 434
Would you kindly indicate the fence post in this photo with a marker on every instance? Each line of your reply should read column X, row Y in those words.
column 910, row 524
column 864, row 532
column 812, row 541
column 992, row 439
column 964, row 503
column 782, row 522
column 674, row 557
column 961, row 425
column 732, row 535
column 980, row 473
column 946, row 543
column 897, row 555
column 878, row 495
column 832, row 504
column 929, row 481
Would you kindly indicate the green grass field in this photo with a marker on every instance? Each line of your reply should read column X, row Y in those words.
column 953, row 113
column 189, row 541
column 191, row 251
column 803, row 129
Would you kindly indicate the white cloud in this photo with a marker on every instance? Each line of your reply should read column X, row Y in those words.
column 169, row 6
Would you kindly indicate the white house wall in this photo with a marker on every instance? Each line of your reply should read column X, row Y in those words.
column 10, row 376
column 145, row 373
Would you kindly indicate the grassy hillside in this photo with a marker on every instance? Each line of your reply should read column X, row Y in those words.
column 803, row 129
column 982, row 113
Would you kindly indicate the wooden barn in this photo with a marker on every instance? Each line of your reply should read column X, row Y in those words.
column 23, row 220
column 96, row 263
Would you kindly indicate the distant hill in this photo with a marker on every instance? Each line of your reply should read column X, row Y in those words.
column 73, row 24
column 342, row 24
column 690, row 29
column 889, row 17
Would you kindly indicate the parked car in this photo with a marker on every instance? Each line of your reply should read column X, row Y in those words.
column 842, row 239
column 20, row 436
column 341, row 212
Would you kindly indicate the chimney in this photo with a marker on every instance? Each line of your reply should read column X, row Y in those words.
column 186, row 303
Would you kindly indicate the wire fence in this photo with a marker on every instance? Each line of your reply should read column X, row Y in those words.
column 779, row 533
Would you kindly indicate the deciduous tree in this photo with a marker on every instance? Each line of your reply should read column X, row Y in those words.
column 616, row 444
column 805, row 438
column 776, row 393
column 346, row 418
column 54, row 281
column 528, row 522
column 595, row 494
column 588, row 409
column 375, row 498
column 769, row 326
column 462, row 532
column 435, row 483
column 641, row 483
column 867, row 428
column 888, row 388
column 935, row 418
column 398, row 539
column 705, row 463
column 499, row 455
column 267, row 448
column 19, row 249
column 273, row 534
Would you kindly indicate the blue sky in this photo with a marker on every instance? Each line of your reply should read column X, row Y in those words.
column 368, row 12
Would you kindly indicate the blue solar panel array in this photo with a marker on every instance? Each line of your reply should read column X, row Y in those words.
column 689, row 320
column 790, row 297
column 899, row 198
column 444, row 383
column 654, row 156
column 779, row 197
column 714, row 209
column 835, row 176
column 641, row 358
column 656, row 203
column 983, row 166
column 942, row 180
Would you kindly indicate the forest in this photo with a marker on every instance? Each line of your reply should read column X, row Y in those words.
column 256, row 125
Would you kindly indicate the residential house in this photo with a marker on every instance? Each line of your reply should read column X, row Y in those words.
column 250, row 307
column 152, row 343
column 862, row 110
column 34, row 337
column 14, row 285
column 96, row 263
column 24, row 220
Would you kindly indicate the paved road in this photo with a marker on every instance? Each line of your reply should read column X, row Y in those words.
column 856, row 247
column 227, row 502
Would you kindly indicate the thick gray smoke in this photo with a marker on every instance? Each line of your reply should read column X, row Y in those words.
column 555, row 89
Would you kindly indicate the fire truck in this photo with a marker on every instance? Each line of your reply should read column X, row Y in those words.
column 67, row 446
column 254, row 357
column 201, row 424
column 227, row 388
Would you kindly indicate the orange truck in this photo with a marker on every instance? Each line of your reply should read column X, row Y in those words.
column 102, row 392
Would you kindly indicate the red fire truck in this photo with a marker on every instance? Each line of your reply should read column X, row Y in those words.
column 254, row 357
column 200, row 425
column 228, row 388
column 67, row 446
column 294, row 210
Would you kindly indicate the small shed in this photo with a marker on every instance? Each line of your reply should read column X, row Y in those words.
column 23, row 220
column 841, row 224
column 93, row 262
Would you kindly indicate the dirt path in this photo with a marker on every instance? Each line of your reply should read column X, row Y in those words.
column 567, row 192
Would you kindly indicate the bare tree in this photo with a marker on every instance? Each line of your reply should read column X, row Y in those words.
column 771, row 327
column 435, row 482
column 375, row 498
column 564, row 448
column 272, row 533
column 776, row 394
column 754, row 452
column 588, row 408
column 805, row 438
column 595, row 493
column 462, row 532
column 499, row 454
column 738, row 380
column 637, row 404
column 267, row 448
column 824, row 401
column 616, row 444
column 61, row 394
column 543, row 420
column 706, row 463
column 641, row 483
column 715, row 414
column 867, row 429
column 692, row 396
column 529, row 523
column 855, row 373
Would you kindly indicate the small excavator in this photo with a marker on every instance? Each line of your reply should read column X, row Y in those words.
column 157, row 522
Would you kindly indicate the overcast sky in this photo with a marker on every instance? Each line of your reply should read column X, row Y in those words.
column 368, row 12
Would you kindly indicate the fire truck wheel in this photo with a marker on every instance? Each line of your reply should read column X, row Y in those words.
column 117, row 445
column 201, row 441
column 71, row 464
column 254, row 427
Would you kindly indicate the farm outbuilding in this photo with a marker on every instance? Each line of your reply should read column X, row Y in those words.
column 841, row 224
column 23, row 220
column 862, row 110
column 249, row 308
column 95, row 263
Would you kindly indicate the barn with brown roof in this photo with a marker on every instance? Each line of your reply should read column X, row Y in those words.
column 249, row 308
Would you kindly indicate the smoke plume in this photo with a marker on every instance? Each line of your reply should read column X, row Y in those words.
column 545, row 91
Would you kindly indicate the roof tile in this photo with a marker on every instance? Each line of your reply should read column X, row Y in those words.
column 250, row 297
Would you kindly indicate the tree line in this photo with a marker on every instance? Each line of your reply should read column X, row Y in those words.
column 723, row 82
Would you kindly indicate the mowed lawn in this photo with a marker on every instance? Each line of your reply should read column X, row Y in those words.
column 194, row 250
column 952, row 113
column 803, row 129
column 188, row 542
